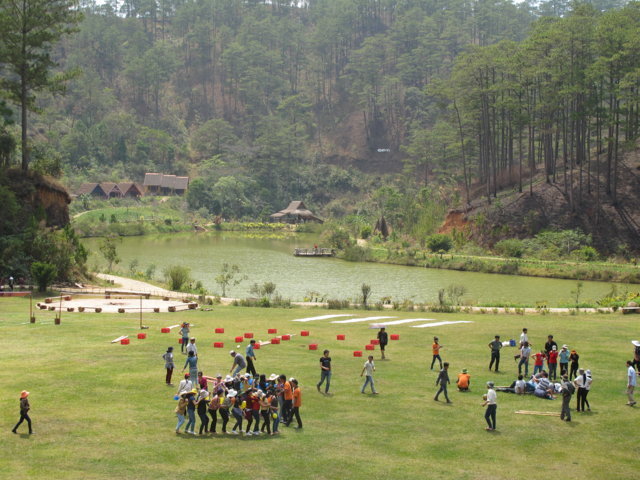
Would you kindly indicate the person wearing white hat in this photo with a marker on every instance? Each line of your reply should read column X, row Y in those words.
column 491, row 402
column 236, row 411
column 24, row 412
column 564, row 360
column 587, row 387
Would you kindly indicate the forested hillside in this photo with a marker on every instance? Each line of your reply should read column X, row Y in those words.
column 354, row 106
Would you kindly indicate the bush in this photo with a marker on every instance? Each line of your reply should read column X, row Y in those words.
column 510, row 247
column 439, row 242
column 177, row 276
column 585, row 254
column 43, row 274
column 356, row 253
column 338, row 239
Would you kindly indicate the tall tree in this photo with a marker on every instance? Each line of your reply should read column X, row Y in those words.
column 30, row 29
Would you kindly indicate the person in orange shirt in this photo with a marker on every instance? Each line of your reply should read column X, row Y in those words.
column 464, row 381
column 287, row 395
column 436, row 352
column 297, row 402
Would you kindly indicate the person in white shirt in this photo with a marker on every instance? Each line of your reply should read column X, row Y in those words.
column 587, row 387
column 631, row 383
column 524, row 337
column 525, row 353
column 191, row 347
column 521, row 385
column 580, row 382
column 490, row 401
column 368, row 368
column 186, row 385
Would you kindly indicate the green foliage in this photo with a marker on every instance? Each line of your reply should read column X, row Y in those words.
column 177, row 276
column 510, row 247
column 43, row 274
column 229, row 275
column 439, row 242
column 337, row 238
column 109, row 250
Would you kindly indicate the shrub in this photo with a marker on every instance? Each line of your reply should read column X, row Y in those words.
column 585, row 254
column 510, row 247
column 43, row 274
column 356, row 253
column 439, row 242
column 365, row 232
column 177, row 276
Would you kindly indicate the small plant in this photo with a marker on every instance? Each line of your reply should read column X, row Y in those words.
column 366, row 293
column 43, row 274
column 177, row 276
column 230, row 275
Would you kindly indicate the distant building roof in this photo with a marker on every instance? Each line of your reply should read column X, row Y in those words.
column 296, row 208
column 126, row 187
column 181, row 183
column 152, row 179
column 172, row 182
column 90, row 188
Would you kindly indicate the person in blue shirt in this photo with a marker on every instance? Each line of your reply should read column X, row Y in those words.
column 251, row 356
column 192, row 363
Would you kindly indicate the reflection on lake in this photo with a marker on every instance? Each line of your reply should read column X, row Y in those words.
column 271, row 260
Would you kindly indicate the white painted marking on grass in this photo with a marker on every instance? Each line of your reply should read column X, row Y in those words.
column 322, row 317
column 438, row 324
column 399, row 322
column 119, row 338
column 357, row 320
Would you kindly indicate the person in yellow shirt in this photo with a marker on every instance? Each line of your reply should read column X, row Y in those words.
column 464, row 381
column 435, row 348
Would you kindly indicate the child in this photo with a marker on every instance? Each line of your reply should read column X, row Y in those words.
column 435, row 348
column 539, row 362
column 443, row 379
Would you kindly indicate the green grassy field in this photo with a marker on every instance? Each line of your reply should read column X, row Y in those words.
column 101, row 410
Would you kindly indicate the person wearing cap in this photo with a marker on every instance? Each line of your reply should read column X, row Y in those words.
column 495, row 347
column 191, row 412
column 552, row 362
column 443, row 380
column 325, row 371
column 186, row 385
column 464, row 381
column 491, row 402
column 184, row 331
column 24, row 412
column 575, row 364
column 631, row 383
column 369, row 368
column 236, row 411
column 181, row 410
column 383, row 339
column 239, row 363
column 202, row 403
column 525, row 354
column 169, row 365
column 191, row 347
column 192, row 363
column 567, row 391
column 435, row 350
column 564, row 360
column 251, row 357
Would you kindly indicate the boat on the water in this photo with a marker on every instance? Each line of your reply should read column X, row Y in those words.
column 314, row 252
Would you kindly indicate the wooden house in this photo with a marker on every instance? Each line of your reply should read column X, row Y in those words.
column 153, row 182
column 131, row 190
column 93, row 189
column 165, row 184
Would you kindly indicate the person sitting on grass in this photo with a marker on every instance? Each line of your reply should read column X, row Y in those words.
column 543, row 388
column 464, row 381
column 517, row 386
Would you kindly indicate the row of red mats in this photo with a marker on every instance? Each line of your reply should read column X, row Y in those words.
column 126, row 341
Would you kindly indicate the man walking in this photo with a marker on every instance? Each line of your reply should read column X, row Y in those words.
column 567, row 393
column 251, row 356
column 495, row 347
column 369, row 368
column 325, row 371
column 383, row 338
column 631, row 382
column 491, row 402
column 435, row 350
column 443, row 380
column 24, row 412
column 525, row 353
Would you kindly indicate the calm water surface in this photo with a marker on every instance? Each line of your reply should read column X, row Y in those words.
column 271, row 260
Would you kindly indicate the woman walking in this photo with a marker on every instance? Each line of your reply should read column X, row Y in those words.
column 236, row 411
column 225, row 404
column 214, row 406
column 169, row 365
column 265, row 411
column 24, row 412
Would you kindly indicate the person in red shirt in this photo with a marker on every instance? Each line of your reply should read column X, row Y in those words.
column 552, row 362
column 297, row 402
column 539, row 361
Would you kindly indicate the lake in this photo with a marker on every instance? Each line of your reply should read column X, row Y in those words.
column 263, row 259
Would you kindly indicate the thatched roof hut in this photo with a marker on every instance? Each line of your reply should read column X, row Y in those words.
column 296, row 212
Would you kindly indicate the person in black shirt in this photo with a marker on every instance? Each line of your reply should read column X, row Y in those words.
column 549, row 345
column 325, row 371
column 495, row 347
column 383, row 338
column 443, row 380
column 24, row 412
